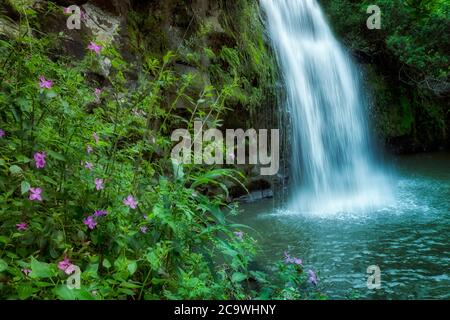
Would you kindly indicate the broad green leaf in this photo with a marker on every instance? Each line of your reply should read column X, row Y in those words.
column 22, row 159
column 56, row 155
column 106, row 263
column 40, row 269
column 121, row 263
column 3, row 265
column 24, row 104
column 63, row 292
column 24, row 187
column 4, row 239
column 132, row 267
column 24, row 291
column 50, row 94
column 15, row 169
column 238, row 277
column 50, row 180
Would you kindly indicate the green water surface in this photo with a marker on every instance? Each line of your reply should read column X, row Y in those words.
column 408, row 239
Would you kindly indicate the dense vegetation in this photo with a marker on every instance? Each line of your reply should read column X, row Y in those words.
column 86, row 179
column 407, row 64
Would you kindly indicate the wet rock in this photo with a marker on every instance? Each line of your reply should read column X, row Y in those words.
column 102, row 24
column 256, row 196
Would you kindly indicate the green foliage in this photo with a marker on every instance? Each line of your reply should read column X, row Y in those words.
column 410, row 53
column 251, row 62
column 177, row 242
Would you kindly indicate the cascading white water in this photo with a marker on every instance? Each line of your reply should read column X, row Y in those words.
column 332, row 163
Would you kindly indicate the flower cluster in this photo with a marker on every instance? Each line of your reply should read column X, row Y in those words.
column 66, row 266
column 289, row 259
column 312, row 276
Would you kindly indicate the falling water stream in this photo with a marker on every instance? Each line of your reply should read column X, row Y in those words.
column 333, row 168
column 345, row 211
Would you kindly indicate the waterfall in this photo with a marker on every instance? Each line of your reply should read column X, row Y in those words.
column 333, row 166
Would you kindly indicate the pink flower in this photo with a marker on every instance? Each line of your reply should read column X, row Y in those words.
column 35, row 194
column 22, row 226
column 67, row 10
column 26, row 271
column 96, row 138
column 239, row 235
column 66, row 266
column 312, row 277
column 2, row 133
column 94, row 47
column 88, row 165
column 144, row 229
column 43, row 83
column 130, row 201
column 288, row 258
column 90, row 222
column 39, row 159
column 99, row 213
column 89, row 149
column 70, row 269
column 99, row 184
column 97, row 92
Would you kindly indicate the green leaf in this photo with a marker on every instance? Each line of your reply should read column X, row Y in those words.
column 15, row 169
column 40, row 269
column 130, row 285
column 22, row 159
column 238, row 277
column 3, row 265
column 50, row 180
column 24, row 104
column 50, row 94
column 132, row 267
column 4, row 239
column 121, row 263
column 56, row 155
column 43, row 284
column 106, row 263
column 24, row 187
column 64, row 293
column 24, row 291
